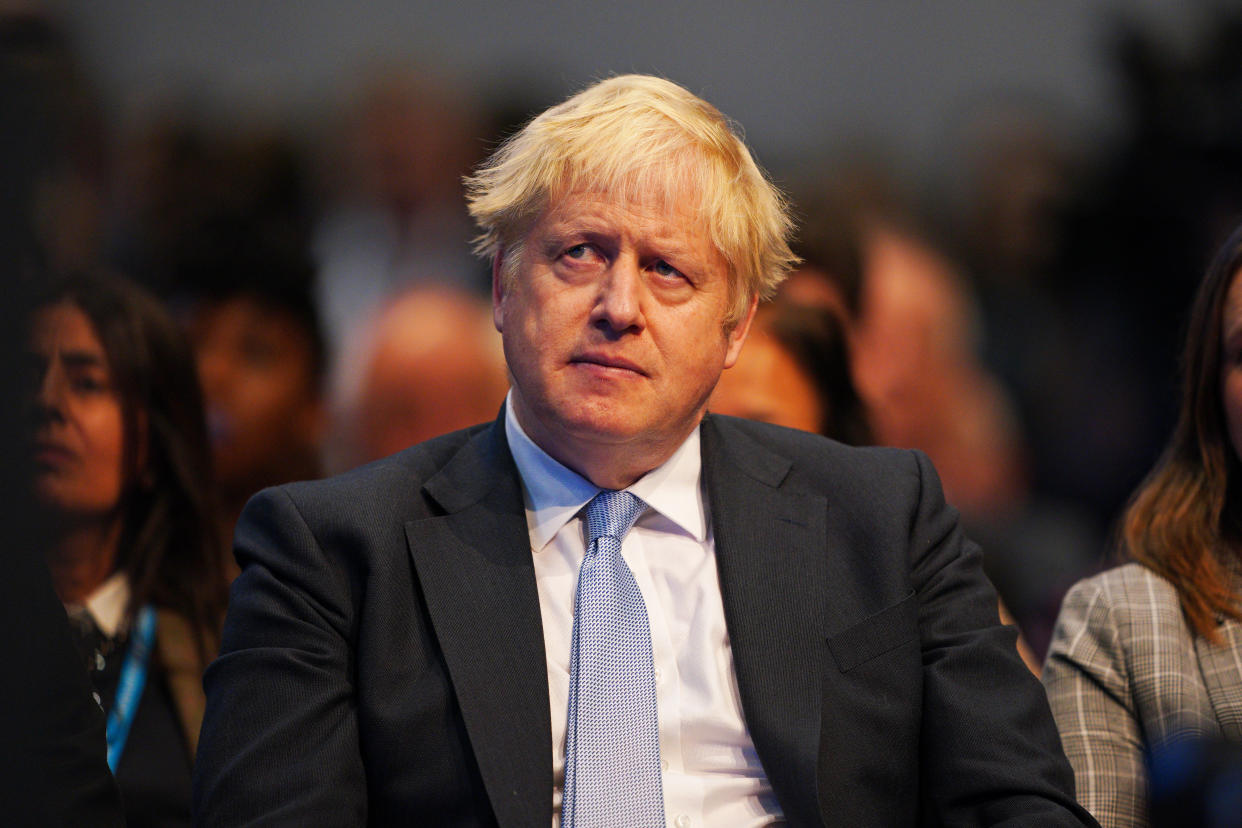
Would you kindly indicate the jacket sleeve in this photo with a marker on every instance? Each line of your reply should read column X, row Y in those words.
column 1091, row 694
column 279, row 743
column 990, row 751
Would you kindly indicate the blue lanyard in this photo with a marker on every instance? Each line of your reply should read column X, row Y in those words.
column 129, row 689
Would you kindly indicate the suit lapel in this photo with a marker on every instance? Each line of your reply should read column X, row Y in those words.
column 770, row 553
column 183, row 671
column 475, row 570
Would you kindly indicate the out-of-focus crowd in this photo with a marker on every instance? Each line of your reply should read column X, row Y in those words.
column 1019, row 323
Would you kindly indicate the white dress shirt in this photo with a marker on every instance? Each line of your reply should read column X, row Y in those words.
column 106, row 605
column 711, row 772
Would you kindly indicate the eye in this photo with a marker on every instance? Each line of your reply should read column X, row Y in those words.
column 89, row 383
column 578, row 251
column 666, row 270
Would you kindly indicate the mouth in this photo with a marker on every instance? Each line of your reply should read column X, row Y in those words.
column 49, row 453
column 219, row 426
column 609, row 363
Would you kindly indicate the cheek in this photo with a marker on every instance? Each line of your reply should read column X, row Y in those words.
column 110, row 453
column 103, row 432
column 95, row 485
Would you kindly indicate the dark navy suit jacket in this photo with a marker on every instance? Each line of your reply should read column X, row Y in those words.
column 383, row 656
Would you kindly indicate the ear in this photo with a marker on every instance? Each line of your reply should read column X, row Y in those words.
column 737, row 336
column 498, row 290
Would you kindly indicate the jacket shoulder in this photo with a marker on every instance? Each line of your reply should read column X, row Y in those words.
column 815, row 460
column 1127, row 591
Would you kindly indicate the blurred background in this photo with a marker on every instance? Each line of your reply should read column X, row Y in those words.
column 1007, row 206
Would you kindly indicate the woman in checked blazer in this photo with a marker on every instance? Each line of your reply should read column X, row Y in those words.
column 1151, row 652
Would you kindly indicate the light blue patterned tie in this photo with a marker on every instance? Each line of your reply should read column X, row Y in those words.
column 612, row 752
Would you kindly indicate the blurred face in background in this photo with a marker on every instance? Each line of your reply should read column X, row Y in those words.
column 79, row 440
column 1231, row 363
column 766, row 384
column 264, row 409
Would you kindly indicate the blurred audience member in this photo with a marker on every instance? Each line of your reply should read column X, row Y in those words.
column 916, row 365
column 430, row 362
column 795, row 371
column 1065, row 341
column 248, row 306
column 913, row 330
column 260, row 359
column 123, row 476
column 53, row 765
column 396, row 216
column 1151, row 652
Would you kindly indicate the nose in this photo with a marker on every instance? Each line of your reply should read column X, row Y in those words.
column 49, row 398
column 214, row 369
column 619, row 307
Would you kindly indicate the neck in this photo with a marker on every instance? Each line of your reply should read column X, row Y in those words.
column 611, row 469
column 609, row 465
column 82, row 558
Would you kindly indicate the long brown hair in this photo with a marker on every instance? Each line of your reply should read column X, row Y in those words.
column 1183, row 522
column 169, row 548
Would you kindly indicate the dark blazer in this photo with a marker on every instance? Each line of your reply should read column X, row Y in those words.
column 383, row 656
column 53, row 752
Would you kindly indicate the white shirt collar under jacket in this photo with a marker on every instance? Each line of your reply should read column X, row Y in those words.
column 556, row 493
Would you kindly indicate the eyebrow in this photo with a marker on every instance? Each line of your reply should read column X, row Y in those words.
column 82, row 359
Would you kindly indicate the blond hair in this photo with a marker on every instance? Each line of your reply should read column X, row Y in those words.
column 639, row 138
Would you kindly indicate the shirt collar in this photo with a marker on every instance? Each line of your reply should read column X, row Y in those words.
column 107, row 604
column 555, row 493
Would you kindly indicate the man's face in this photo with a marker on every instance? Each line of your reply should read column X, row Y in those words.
column 614, row 332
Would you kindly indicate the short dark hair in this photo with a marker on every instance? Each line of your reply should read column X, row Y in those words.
column 231, row 256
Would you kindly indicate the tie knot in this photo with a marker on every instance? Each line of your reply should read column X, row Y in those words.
column 611, row 514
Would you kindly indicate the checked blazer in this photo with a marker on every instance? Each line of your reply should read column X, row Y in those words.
column 1125, row 672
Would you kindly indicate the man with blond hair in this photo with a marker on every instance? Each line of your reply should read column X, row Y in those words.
column 608, row 608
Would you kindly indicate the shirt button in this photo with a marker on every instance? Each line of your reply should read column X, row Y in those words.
column 658, row 674
column 664, row 764
column 682, row 821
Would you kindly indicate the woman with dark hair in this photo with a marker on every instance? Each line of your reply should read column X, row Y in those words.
column 122, row 475
column 1151, row 652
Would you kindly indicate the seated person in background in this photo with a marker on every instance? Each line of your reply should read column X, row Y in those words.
column 1151, row 652
column 123, row 478
column 604, row 608
column 795, row 372
column 428, row 363
column 260, row 353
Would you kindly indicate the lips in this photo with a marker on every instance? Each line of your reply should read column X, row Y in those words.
column 604, row 360
column 51, row 453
